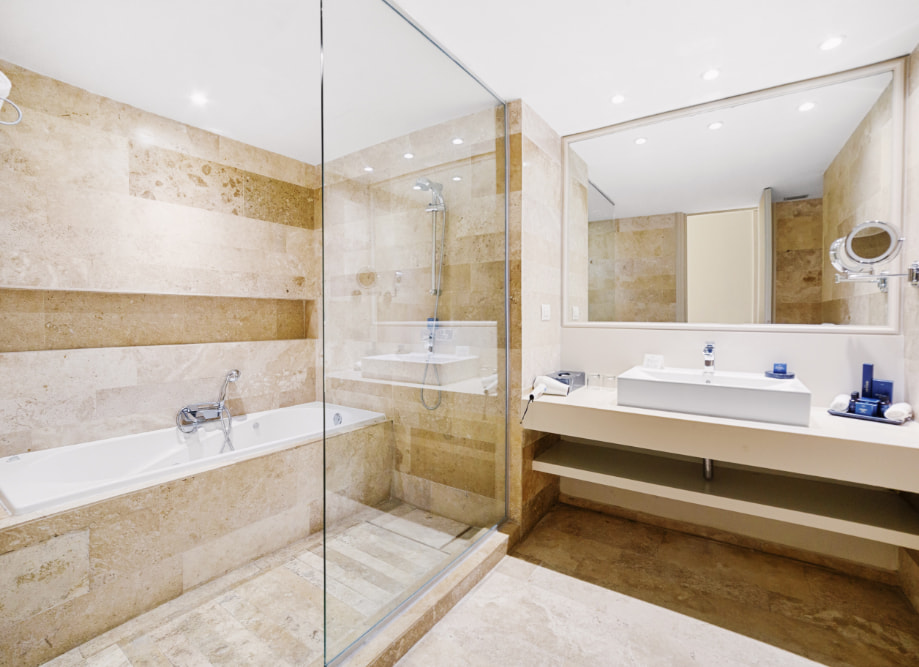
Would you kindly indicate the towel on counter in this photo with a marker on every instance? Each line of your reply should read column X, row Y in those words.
column 840, row 403
column 899, row 411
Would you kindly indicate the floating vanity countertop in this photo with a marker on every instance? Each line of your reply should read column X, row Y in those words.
column 882, row 455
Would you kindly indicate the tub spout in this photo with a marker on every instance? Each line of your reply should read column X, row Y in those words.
column 192, row 416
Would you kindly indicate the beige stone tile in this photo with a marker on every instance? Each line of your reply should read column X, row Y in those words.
column 282, row 643
column 44, row 575
column 909, row 576
column 541, row 134
column 129, row 544
column 72, row 658
column 362, row 464
column 350, row 582
column 248, row 158
column 21, row 321
column 278, row 201
column 560, row 620
column 261, row 487
column 403, row 631
column 413, row 490
column 218, row 556
column 291, row 603
column 425, row 527
column 44, row 635
column 143, row 651
column 808, row 610
column 173, row 177
column 110, row 657
column 223, row 639
column 179, row 650
column 97, row 160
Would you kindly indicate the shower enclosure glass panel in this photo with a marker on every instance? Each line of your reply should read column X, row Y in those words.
column 414, row 266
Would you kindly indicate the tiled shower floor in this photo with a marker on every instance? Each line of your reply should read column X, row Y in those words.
column 270, row 611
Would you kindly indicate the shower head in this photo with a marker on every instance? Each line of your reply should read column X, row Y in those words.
column 427, row 184
column 437, row 189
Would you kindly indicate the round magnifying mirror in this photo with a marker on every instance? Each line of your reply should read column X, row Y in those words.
column 873, row 242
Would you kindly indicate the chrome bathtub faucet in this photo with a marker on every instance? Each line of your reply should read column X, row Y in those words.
column 192, row 416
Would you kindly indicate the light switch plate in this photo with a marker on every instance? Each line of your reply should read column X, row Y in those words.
column 546, row 312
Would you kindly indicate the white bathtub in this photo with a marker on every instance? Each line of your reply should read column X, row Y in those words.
column 39, row 480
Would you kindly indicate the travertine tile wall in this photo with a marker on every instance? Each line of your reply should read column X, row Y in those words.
column 601, row 280
column 115, row 216
column 856, row 188
column 578, row 239
column 71, row 575
column 535, row 345
column 633, row 266
column 799, row 253
column 62, row 320
column 377, row 255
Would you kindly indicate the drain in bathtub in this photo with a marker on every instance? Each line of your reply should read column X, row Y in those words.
column 336, row 419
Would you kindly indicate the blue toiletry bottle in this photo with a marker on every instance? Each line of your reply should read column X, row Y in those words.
column 867, row 380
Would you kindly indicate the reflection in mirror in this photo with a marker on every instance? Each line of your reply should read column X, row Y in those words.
column 724, row 213
column 873, row 242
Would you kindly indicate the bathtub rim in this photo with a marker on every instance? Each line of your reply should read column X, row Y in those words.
column 204, row 466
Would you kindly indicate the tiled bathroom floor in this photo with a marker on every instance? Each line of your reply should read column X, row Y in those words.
column 269, row 613
column 588, row 589
column 584, row 589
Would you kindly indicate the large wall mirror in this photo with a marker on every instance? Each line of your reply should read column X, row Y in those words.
column 722, row 214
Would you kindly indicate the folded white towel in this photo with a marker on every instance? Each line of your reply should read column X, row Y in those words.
column 840, row 403
column 899, row 411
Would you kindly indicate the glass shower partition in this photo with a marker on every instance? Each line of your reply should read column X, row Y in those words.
column 414, row 311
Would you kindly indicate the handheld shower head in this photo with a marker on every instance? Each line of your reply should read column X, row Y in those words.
column 424, row 183
column 232, row 376
column 437, row 190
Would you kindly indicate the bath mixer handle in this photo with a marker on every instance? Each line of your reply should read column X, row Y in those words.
column 192, row 416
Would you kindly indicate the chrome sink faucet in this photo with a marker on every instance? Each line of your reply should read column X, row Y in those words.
column 192, row 416
column 708, row 358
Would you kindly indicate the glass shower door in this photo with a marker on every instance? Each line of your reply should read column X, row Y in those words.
column 414, row 283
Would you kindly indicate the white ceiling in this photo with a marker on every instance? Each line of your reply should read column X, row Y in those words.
column 258, row 62
column 685, row 166
column 566, row 60
column 251, row 59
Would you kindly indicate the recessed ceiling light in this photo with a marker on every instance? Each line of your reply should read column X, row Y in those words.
column 830, row 43
column 717, row 125
column 807, row 106
column 710, row 75
column 640, row 141
column 618, row 99
column 457, row 141
column 368, row 169
column 198, row 98
column 409, row 156
column 457, row 178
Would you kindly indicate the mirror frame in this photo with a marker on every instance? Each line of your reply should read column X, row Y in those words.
column 895, row 66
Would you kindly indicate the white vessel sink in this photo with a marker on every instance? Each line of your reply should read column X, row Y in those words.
column 441, row 368
column 728, row 394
